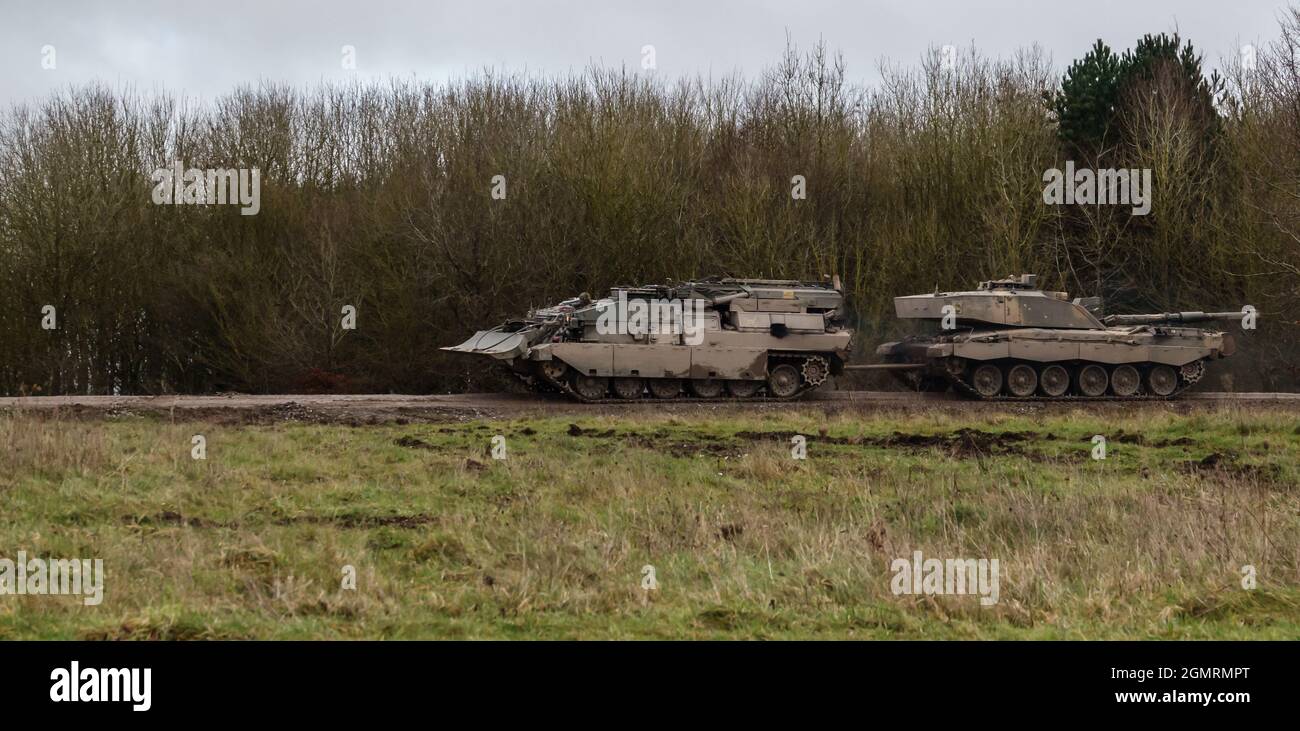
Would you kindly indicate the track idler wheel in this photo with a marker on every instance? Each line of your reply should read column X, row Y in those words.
column 552, row 371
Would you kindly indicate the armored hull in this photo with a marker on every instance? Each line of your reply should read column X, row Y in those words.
column 714, row 339
column 1011, row 340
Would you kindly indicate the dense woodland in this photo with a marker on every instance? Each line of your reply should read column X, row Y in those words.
column 379, row 196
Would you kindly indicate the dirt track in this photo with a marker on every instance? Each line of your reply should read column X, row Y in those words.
column 378, row 408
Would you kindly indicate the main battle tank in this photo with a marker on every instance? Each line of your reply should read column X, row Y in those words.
column 733, row 339
column 1009, row 339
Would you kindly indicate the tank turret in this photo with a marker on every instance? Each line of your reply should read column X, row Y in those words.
column 1011, row 302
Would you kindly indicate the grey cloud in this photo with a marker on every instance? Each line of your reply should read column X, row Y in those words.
column 205, row 49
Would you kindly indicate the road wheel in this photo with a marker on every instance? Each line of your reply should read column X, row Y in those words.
column 743, row 389
column 1022, row 380
column 783, row 381
column 665, row 387
column 1124, row 380
column 987, row 380
column 1092, row 380
column 590, row 387
column 706, row 387
column 1054, row 381
column 629, row 388
column 1162, row 380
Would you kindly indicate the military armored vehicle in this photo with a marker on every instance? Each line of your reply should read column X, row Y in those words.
column 1009, row 339
column 712, row 339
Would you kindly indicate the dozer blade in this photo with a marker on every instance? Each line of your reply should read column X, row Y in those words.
column 494, row 343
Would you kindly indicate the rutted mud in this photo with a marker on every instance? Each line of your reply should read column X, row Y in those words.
column 173, row 519
column 238, row 413
column 962, row 443
column 1126, row 438
column 1229, row 465
column 413, row 443
column 659, row 440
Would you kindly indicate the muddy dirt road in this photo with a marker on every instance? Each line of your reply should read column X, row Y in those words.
column 384, row 408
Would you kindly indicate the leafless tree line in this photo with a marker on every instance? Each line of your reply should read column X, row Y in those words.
column 379, row 196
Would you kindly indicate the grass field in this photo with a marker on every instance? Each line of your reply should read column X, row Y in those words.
column 746, row 541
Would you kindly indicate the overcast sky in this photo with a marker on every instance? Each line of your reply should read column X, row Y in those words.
column 206, row 48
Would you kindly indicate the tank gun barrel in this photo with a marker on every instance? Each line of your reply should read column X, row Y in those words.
column 1171, row 317
column 724, row 299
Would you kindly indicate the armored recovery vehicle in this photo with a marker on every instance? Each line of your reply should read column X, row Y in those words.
column 1009, row 339
column 712, row 339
